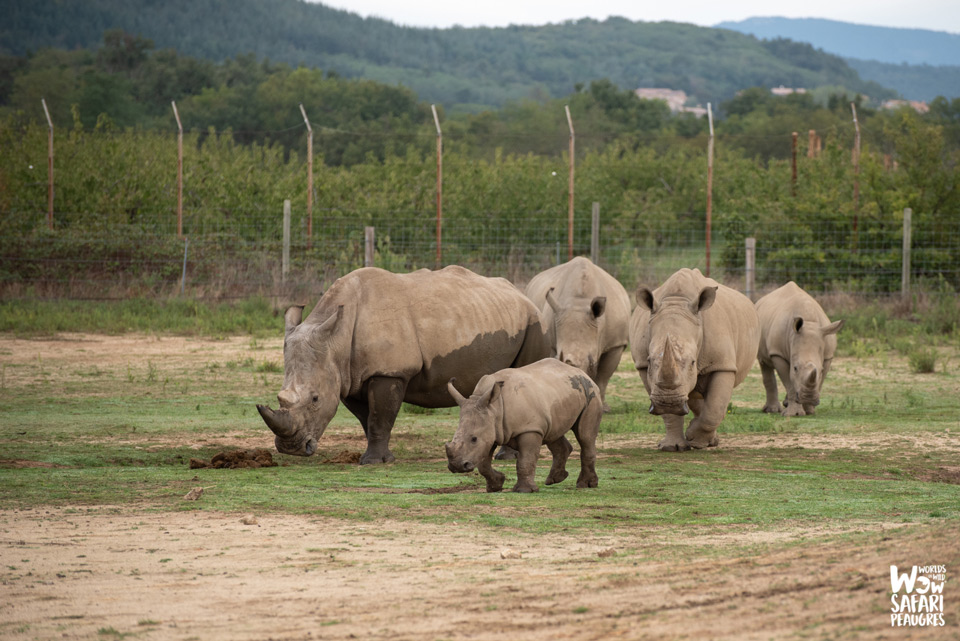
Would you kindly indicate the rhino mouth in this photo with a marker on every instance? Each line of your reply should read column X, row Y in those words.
column 676, row 405
column 289, row 439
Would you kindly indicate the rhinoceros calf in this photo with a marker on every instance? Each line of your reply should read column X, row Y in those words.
column 524, row 408
column 797, row 341
column 693, row 340
column 376, row 339
column 586, row 313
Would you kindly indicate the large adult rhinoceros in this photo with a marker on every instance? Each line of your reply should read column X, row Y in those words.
column 797, row 341
column 376, row 339
column 693, row 340
column 586, row 313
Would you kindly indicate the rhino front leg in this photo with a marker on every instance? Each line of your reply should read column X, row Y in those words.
column 560, row 449
column 528, row 448
column 702, row 431
column 384, row 399
column 608, row 364
column 773, row 405
column 674, row 440
column 791, row 404
column 494, row 477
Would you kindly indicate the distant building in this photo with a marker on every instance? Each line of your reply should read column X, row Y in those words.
column 786, row 91
column 917, row 105
column 675, row 99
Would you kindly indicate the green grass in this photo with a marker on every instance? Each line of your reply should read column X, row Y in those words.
column 880, row 449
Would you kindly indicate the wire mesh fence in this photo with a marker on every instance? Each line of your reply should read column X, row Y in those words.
column 232, row 261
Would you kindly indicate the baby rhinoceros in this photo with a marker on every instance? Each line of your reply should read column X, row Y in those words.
column 797, row 341
column 524, row 408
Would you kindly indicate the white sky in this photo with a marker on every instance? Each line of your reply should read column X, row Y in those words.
column 938, row 15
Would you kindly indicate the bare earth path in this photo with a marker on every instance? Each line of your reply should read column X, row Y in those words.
column 102, row 573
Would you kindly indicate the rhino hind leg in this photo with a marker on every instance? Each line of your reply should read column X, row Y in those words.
column 384, row 399
column 586, row 430
column 561, row 450
column 528, row 446
column 506, row 453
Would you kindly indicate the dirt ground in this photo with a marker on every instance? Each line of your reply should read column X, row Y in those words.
column 101, row 573
column 113, row 572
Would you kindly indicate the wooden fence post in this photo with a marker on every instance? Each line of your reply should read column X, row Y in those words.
column 285, row 262
column 793, row 166
column 309, row 177
column 856, row 180
column 436, row 121
column 709, row 186
column 570, row 189
column 49, row 165
column 750, row 268
column 905, row 268
column 369, row 246
column 595, row 233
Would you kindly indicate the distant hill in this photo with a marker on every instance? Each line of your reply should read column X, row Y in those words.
column 465, row 69
column 863, row 42
column 919, row 63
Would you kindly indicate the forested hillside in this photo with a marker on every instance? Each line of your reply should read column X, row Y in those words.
column 463, row 69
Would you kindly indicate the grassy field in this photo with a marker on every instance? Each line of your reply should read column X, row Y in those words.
column 93, row 423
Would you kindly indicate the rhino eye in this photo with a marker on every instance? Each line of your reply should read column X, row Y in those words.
column 315, row 398
column 473, row 439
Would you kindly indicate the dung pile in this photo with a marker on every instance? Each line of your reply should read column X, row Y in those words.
column 238, row 459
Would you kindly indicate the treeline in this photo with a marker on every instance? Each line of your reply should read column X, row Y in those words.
column 466, row 69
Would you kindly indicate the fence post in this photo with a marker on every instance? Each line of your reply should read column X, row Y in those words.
column 183, row 278
column 49, row 165
column 856, row 180
column 570, row 189
column 369, row 245
column 595, row 234
column 709, row 185
column 793, row 166
column 750, row 268
column 176, row 115
column 436, row 121
column 309, row 177
column 285, row 263
column 905, row 273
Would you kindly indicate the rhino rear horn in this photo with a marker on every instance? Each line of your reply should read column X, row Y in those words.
column 457, row 396
column 279, row 422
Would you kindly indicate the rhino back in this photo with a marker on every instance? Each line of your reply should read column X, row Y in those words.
column 777, row 311
column 428, row 327
column 545, row 397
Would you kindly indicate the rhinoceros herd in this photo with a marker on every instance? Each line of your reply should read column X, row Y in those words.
column 527, row 367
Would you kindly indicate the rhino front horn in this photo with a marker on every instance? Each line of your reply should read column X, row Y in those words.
column 278, row 422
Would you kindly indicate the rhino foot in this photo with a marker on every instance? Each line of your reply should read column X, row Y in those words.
column 673, row 445
column 699, row 444
column 524, row 488
column 370, row 458
column 557, row 477
column 495, row 483
column 588, row 481
column 770, row 408
column 506, row 454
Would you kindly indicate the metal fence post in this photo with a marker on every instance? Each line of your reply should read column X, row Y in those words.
column 905, row 273
column 285, row 263
column 750, row 268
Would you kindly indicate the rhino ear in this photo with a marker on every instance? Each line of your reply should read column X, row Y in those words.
column 331, row 322
column 598, row 306
column 708, row 295
column 832, row 328
column 292, row 317
column 495, row 393
column 645, row 298
column 797, row 323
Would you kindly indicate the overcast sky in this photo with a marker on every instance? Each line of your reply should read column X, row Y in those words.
column 939, row 15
